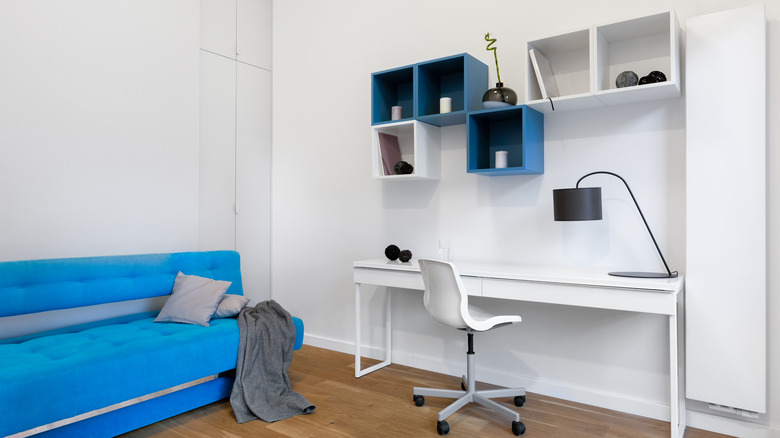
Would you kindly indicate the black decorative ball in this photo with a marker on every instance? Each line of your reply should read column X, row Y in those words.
column 405, row 256
column 392, row 252
column 647, row 80
column 403, row 168
column 626, row 79
column 653, row 77
column 659, row 76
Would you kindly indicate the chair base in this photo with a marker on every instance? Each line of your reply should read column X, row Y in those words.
column 481, row 397
column 470, row 394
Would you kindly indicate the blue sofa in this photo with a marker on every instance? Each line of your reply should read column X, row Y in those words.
column 111, row 376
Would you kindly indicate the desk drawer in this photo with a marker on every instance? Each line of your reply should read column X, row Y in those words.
column 390, row 278
column 407, row 279
column 632, row 300
column 472, row 284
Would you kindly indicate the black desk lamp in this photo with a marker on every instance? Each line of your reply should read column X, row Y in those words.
column 584, row 204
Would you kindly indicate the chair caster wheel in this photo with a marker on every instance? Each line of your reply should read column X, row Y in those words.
column 443, row 428
column 518, row 428
column 519, row 401
column 419, row 400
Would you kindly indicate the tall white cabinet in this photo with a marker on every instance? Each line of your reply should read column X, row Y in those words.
column 726, row 262
column 235, row 136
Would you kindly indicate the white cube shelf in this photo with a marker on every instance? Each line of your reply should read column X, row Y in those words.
column 640, row 45
column 571, row 60
column 419, row 144
column 585, row 63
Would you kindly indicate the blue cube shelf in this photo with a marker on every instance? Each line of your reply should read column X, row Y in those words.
column 519, row 130
column 418, row 88
column 462, row 78
column 391, row 88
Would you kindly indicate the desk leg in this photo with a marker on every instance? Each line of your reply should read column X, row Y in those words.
column 388, row 335
column 677, row 402
column 357, row 330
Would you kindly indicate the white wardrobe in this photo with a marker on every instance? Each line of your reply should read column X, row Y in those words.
column 235, row 136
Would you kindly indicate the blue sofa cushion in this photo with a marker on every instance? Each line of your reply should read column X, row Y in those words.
column 101, row 365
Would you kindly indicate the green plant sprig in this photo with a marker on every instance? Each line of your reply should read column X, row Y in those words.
column 495, row 54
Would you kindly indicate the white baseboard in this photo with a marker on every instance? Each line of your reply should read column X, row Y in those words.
column 589, row 396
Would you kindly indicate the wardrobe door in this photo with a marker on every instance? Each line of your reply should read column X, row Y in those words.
column 253, row 179
column 217, row 223
column 253, row 32
column 218, row 27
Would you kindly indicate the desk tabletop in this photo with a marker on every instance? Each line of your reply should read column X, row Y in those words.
column 537, row 274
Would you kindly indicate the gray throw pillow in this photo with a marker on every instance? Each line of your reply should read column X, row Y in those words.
column 230, row 305
column 193, row 300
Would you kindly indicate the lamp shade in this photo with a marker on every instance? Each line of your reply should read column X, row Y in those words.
column 580, row 204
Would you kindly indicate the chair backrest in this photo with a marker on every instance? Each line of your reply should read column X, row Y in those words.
column 445, row 297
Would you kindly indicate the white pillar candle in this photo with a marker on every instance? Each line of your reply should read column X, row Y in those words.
column 395, row 113
column 445, row 105
column 501, row 159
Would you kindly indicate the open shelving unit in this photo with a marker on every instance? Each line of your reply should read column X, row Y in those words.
column 585, row 63
column 571, row 62
column 519, row 130
column 391, row 88
column 418, row 89
column 420, row 146
column 461, row 77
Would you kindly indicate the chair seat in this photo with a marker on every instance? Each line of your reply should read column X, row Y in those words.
column 480, row 320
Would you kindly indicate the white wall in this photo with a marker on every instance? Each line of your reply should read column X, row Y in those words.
column 328, row 211
column 98, row 127
column 98, row 136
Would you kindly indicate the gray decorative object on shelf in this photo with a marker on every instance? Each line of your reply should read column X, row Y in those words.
column 626, row 79
column 405, row 256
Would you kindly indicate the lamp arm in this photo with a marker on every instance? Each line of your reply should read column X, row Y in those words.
column 638, row 209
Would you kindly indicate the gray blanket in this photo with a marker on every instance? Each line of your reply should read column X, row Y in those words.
column 262, row 388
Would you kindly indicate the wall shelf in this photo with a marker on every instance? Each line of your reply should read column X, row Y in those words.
column 391, row 88
column 418, row 88
column 519, row 130
column 420, row 146
column 585, row 63
column 460, row 77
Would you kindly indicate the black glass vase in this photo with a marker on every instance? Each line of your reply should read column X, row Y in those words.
column 499, row 96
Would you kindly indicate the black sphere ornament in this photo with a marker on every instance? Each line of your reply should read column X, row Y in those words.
column 405, row 256
column 653, row 77
column 659, row 76
column 647, row 80
column 626, row 79
column 392, row 252
column 403, row 168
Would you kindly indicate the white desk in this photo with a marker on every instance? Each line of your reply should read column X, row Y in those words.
column 569, row 287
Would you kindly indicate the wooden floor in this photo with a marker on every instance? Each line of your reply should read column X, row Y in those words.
column 380, row 405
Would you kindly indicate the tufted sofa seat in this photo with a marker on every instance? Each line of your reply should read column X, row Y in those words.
column 114, row 375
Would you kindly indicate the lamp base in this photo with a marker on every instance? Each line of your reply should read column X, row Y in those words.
column 644, row 274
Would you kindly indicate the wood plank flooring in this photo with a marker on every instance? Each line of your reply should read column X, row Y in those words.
column 380, row 405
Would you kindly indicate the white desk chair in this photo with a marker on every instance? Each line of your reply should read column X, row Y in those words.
column 447, row 301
